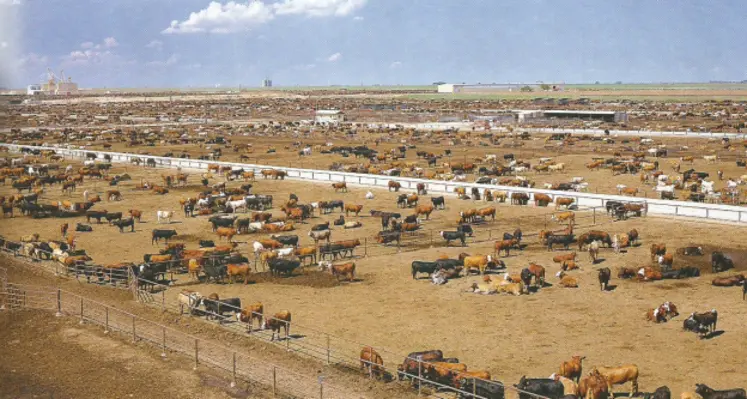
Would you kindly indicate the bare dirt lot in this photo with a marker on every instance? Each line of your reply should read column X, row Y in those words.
column 45, row 356
column 509, row 336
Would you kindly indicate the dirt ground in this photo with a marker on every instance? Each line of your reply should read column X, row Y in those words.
column 44, row 356
column 509, row 336
column 574, row 157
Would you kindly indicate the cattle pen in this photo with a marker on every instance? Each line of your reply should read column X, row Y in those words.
column 241, row 366
column 711, row 212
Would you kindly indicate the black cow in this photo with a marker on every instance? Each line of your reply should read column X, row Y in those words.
column 565, row 240
column 439, row 202
column 283, row 266
column 450, row 236
column 218, row 221
column 125, row 223
column 242, row 225
column 720, row 262
column 685, row 272
column 539, row 386
column 690, row 324
column 324, row 226
column 466, row 229
column 482, row 388
column 158, row 234
column 411, row 219
column 448, row 263
column 214, row 270
column 411, row 364
column 207, row 243
column 611, row 205
column 333, row 250
column 338, row 222
column 98, row 215
column 83, row 227
column 290, row 240
column 708, row 393
column 215, row 308
column 660, row 393
column 692, row 251
column 419, row 266
column 604, row 278
column 385, row 237
column 112, row 216
column 707, row 319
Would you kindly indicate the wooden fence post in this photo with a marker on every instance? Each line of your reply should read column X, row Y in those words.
column 163, row 343
column 594, row 215
column 196, row 353
column 274, row 381
column 134, row 332
column 420, row 376
column 59, row 303
column 328, row 350
column 287, row 337
column 233, row 383
column 81, row 310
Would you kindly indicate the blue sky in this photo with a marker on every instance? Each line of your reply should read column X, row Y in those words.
column 179, row 43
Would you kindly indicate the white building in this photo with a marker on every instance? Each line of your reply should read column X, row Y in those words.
column 33, row 90
column 329, row 116
column 267, row 83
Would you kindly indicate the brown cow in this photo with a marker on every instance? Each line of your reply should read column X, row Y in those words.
column 342, row 186
column 593, row 386
column 347, row 270
column 280, row 319
column 538, row 272
column 442, row 372
column 542, row 199
column 424, row 210
column 572, row 368
column 505, row 245
column 63, row 229
column 234, row 271
column 136, row 214
column 372, row 362
column 620, row 375
column 649, row 274
column 658, row 249
column 568, row 265
column 487, row 211
column 250, row 313
column 306, row 252
column 561, row 217
column 458, row 376
column 353, row 208
column 566, row 202
column 562, row 258
column 393, row 185
column 226, row 232
column 731, row 281
column 113, row 195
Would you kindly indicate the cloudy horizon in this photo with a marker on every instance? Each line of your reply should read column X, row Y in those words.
column 203, row 43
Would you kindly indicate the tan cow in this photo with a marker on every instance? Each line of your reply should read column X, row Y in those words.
column 620, row 375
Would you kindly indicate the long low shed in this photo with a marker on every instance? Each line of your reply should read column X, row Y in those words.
column 713, row 212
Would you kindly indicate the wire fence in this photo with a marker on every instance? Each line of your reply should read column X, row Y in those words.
column 302, row 340
column 281, row 381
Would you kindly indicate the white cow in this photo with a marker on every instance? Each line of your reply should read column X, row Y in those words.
column 369, row 195
column 285, row 252
column 164, row 215
column 203, row 203
column 235, row 205
column 258, row 247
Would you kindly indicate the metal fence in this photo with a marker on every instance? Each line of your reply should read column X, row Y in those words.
column 241, row 365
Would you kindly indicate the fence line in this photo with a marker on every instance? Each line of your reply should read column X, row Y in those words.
column 662, row 207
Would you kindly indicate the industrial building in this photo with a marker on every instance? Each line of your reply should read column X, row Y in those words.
column 329, row 116
column 267, row 83
column 604, row 116
column 498, row 87
column 55, row 86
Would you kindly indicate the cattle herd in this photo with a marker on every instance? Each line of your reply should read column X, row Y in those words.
column 246, row 228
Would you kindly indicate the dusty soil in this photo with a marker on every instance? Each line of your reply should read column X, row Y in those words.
column 509, row 336
column 45, row 356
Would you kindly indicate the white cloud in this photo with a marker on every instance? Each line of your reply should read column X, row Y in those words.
column 395, row 64
column 228, row 18
column 239, row 17
column 86, row 45
column 10, row 2
column 4, row 45
column 156, row 44
column 172, row 60
column 358, row 18
column 110, row 42
column 319, row 8
column 32, row 61
column 334, row 57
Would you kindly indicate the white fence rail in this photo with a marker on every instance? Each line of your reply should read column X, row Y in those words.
column 711, row 212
